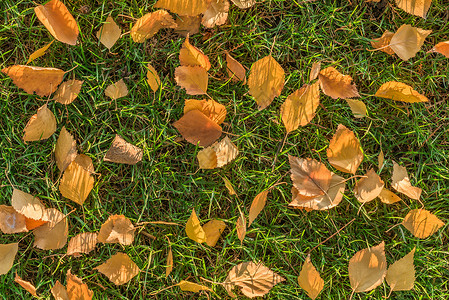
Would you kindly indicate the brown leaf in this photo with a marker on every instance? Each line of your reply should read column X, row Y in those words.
column 380, row 160
column 408, row 40
column 194, row 230
column 235, row 69
column 216, row 14
column 213, row 230
column 184, row 7
column 217, row 155
column 152, row 78
column 169, row 267
column 244, row 3
column 229, row 186
column 196, row 128
column 109, row 33
column 383, row 43
column 65, row 150
column 336, row 85
column 11, row 221
column 85, row 162
column 39, row 52
column 122, row 152
column 57, row 19
column 310, row 177
column 41, row 126
column 310, row 280
column 188, row 286
column 188, row 25
column 42, row 81
column 418, row 8
column 344, row 152
column 27, row 205
column 257, row 206
column 76, row 182
column 192, row 79
column 192, row 56
column 210, row 108
column 299, row 108
column 28, row 286
column 119, row 268
column 82, row 243
column 76, row 289
column 59, row 291
column 401, row 182
column 266, row 81
column 148, row 25
column 358, row 108
column 369, row 187
column 116, row 90
column 68, row 91
column 399, row 91
column 52, row 235
column 367, row 268
column 117, row 229
column 7, row 254
column 401, row 274
column 442, row 48
column 388, row 197
column 421, row 223
column 255, row 280
column 241, row 227
column 315, row 70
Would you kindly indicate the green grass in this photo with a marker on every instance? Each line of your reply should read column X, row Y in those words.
column 167, row 184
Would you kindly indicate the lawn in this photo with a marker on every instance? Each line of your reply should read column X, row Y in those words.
column 168, row 183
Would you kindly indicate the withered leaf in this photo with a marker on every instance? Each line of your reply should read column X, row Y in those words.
column 82, row 243
column 358, row 108
column 192, row 56
column 240, row 227
column 184, row 7
column 32, row 224
column 39, row 52
column 76, row 289
column 383, row 43
column 369, row 187
column 122, row 152
column 193, row 79
column 213, row 230
column 41, row 126
column 59, row 292
column 152, row 78
column 169, row 267
column 11, row 221
column 210, row 108
column 442, row 48
column 196, row 128
column 117, row 229
column 421, row 223
column 336, row 85
column 27, row 205
column 314, row 71
column 229, row 186
column 188, row 286
column 344, row 152
column 235, row 69
column 52, row 235
column 28, row 286
column 116, row 90
column 188, row 25
column 65, row 150
column 194, row 230
column 216, row 14
column 68, row 91
column 244, row 3
column 109, row 33
column 407, row 41
column 119, row 268
column 57, row 19
column 76, row 182
column 388, row 197
column 380, row 160
column 399, row 91
column 257, row 206
column 7, row 254
column 418, row 8
column 217, row 155
column 401, row 182
column 148, row 25
column 310, row 177
column 85, row 162
column 401, row 274
column 310, row 280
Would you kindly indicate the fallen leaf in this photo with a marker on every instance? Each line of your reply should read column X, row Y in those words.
column 196, row 128
column 216, row 14
column 109, row 33
column 194, row 230
column 367, row 268
column 82, row 243
column 169, row 267
column 68, row 91
column 244, row 3
column 310, row 280
column 344, row 152
column 266, row 81
column 184, row 7
column 399, row 91
column 192, row 79
column 408, row 40
column 76, row 289
column 210, row 108
column 188, row 286
column 314, row 71
column 28, row 286
column 39, row 52
column 11, row 221
column 213, row 230
column 7, row 254
column 401, row 274
column 336, row 85
column 152, row 78
column 188, row 25
column 418, row 8
column 27, row 205
column 57, row 19
column 380, row 160
column 300, row 107
column 117, row 229
column 225, row 152
column 358, row 108
column 388, row 197
column 257, row 206
column 148, row 25
column 32, row 224
column 255, row 280
column 401, row 182
column 59, row 292
column 65, row 150
column 421, row 223
column 119, row 268
column 310, row 177
column 368, row 188
column 442, row 48
column 122, row 152
column 192, row 56
column 383, row 43
column 116, row 90
column 240, row 226
column 41, row 126
column 229, row 186
column 85, row 162
column 235, row 69
column 52, row 235
column 207, row 158
column 76, row 182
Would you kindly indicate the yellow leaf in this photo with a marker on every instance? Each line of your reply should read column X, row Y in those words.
column 407, row 41
column 213, row 230
column 401, row 182
column 117, row 229
column 235, row 69
column 27, row 205
column 229, row 186
column 344, row 152
column 217, row 155
column 369, row 187
column 194, row 230
column 59, row 291
column 193, row 79
column 383, row 43
column 358, row 108
column 310, row 177
column 65, row 150
column 28, row 286
column 119, row 268
column 82, row 243
column 216, row 14
column 336, row 85
column 418, row 8
column 116, row 90
column 196, row 128
column 421, row 223
column 152, row 78
column 7, row 254
column 192, row 56
column 52, row 235
column 244, row 3
column 76, row 289
column 122, row 152
column 76, row 183
column 188, row 286
column 388, row 197
column 39, row 52
column 257, row 206
column 109, row 33
column 68, row 91
column 442, row 48
column 148, row 25
column 210, row 108
column 399, row 91
column 184, row 7
column 401, row 274
column 41, row 126
column 310, row 280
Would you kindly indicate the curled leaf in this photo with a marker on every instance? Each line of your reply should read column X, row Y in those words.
column 257, row 206
column 401, row 182
column 28, row 286
column 442, row 48
column 188, row 286
column 65, row 150
column 152, row 78
column 39, row 52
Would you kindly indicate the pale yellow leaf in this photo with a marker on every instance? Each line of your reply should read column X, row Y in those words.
column 193, row 79
column 216, row 14
column 415, row 7
column 194, row 230
column 7, row 254
column 257, row 206
column 122, row 152
column 336, row 85
column 116, row 90
column 148, row 25
column 399, row 91
column 344, row 152
column 27, row 205
column 401, row 182
column 28, row 286
column 358, row 108
column 119, row 268
column 368, row 188
column 82, row 243
column 196, row 128
column 188, row 286
column 401, row 274
column 109, row 33
column 310, row 280
column 65, row 150
column 68, row 91
column 41, row 126
column 388, row 197
column 39, row 52
column 152, row 78
column 52, row 235
column 213, row 230
column 117, row 229
column 407, row 41
column 421, row 223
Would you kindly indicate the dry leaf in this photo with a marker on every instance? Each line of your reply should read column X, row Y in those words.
column 367, row 268
column 82, row 243
column 59, row 291
column 52, row 235
column 109, row 33
column 442, row 48
column 7, row 254
column 388, row 197
column 39, row 52
column 421, row 223
column 42, row 81
column 401, row 274
column 336, row 85
column 210, row 108
column 122, row 152
column 344, row 152
column 257, row 206
column 184, row 7
column 192, row 79
column 68, row 91
column 229, row 186
column 41, row 126
column 255, row 280
column 415, row 7
column 196, row 128
column 266, row 81
column 310, row 177
column 383, row 43
column 207, row 158
column 117, row 229
column 216, row 14
column 188, row 286
column 401, row 182
column 57, row 19
column 213, row 230
column 192, row 56
column 76, row 289
column 148, row 25
column 217, row 155
column 32, row 224
column 369, row 187
column 11, row 221
column 235, row 69
column 28, row 286
column 65, row 150
column 407, row 41
column 240, row 226
column 152, row 78
column 399, row 91
column 380, row 160
column 85, row 162
column 358, row 108
column 194, row 230
column 244, row 3
column 27, row 205
column 188, row 25
column 119, row 268
column 116, row 90
column 76, row 182
column 310, row 280
column 315, row 70
column 169, row 267
column 299, row 108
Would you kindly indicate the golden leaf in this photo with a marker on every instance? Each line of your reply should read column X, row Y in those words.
column 241, row 227
column 11, row 221
column 399, row 91
column 401, row 182
column 344, row 152
column 421, row 223
column 59, row 291
column 192, row 79
column 27, row 205
column 369, row 187
column 388, row 197
column 76, row 289
column 109, row 33
column 310, row 280
column 41, row 126
column 119, row 268
column 188, row 25
column 210, row 108
column 188, row 286
column 217, row 155
column 415, row 7
column 52, row 235
column 216, row 14
column 257, row 206
column 68, row 91
column 76, row 182
column 192, row 56
column 442, row 48
column 407, row 41
column 184, row 7
column 82, row 243
column 116, row 90
column 235, row 69
column 122, row 152
column 7, row 254
column 336, row 85
column 152, row 78
column 196, row 128
column 148, row 25
column 39, row 52
column 358, row 108
column 213, row 230
column 28, row 286
column 310, row 177
column 383, row 43
column 117, row 229
column 169, row 267
column 401, row 274
column 65, row 150
column 194, row 230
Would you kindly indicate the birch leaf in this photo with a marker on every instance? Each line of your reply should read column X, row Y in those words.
column 344, row 152
column 314, row 71
column 369, row 187
column 216, row 14
column 241, row 227
column 59, row 292
column 52, row 235
column 358, row 108
column 169, row 267
column 383, row 42
column 401, row 274
column 188, row 25
column 184, row 7
column 148, row 25
column 336, row 85
column 41, row 126
column 235, row 69
column 65, row 150
column 68, row 91
column 7, row 255
column 196, row 128
column 188, row 286
column 244, row 3
column 119, row 268
column 408, row 40
column 442, row 48
column 193, row 79
column 401, row 182
column 28, row 286
column 310, row 177
column 421, row 223
column 39, row 52
column 310, row 280
column 122, row 152
column 116, row 90
column 210, row 108
column 388, row 197
column 117, row 229
column 76, row 182
column 194, row 230
column 82, row 243
column 11, row 221
column 192, row 56
column 399, row 91
column 76, row 289
column 213, row 230
column 415, row 7
column 109, row 33
column 27, row 205
column 257, row 206
column 152, row 78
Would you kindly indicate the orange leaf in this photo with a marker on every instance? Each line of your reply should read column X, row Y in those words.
column 196, row 128
column 235, row 69
column 119, row 268
column 148, row 25
column 344, row 152
column 257, row 206
column 193, row 79
column 336, row 85
column 192, row 56
column 184, row 7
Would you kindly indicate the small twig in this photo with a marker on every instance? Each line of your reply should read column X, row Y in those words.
column 158, row 223
column 338, row 231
